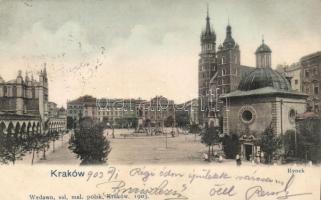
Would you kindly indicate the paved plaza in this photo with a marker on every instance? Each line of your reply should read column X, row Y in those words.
column 133, row 149
column 136, row 149
column 144, row 149
column 139, row 149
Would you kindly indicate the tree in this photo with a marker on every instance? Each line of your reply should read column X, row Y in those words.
column 194, row 128
column 269, row 143
column 309, row 140
column 53, row 136
column 35, row 144
column 70, row 123
column 169, row 121
column 231, row 145
column 90, row 144
column 12, row 145
column 210, row 137
column 182, row 118
column 281, row 67
column 44, row 143
column 290, row 143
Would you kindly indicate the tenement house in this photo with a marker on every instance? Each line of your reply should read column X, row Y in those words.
column 311, row 80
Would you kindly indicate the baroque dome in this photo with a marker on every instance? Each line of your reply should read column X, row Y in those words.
column 264, row 77
column 263, row 48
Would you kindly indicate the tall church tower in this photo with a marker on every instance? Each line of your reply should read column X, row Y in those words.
column 206, row 67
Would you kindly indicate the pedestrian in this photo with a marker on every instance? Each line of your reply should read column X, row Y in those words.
column 262, row 157
column 220, row 159
column 205, row 157
column 238, row 160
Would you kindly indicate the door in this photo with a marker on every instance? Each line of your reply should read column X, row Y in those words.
column 248, row 151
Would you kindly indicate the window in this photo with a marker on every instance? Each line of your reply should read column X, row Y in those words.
column 315, row 71
column 292, row 115
column 223, row 72
column 306, row 73
column 307, row 90
column 296, row 81
column 316, row 108
column 247, row 115
column 316, row 89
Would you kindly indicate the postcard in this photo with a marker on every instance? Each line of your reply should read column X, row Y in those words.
column 160, row 99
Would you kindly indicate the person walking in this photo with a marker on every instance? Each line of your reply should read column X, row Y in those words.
column 238, row 160
column 205, row 157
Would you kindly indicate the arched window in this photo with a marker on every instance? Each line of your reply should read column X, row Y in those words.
column 33, row 92
column 14, row 91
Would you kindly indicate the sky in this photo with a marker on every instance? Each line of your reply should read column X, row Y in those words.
column 143, row 48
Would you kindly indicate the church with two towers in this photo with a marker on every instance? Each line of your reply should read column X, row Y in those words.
column 219, row 71
column 244, row 100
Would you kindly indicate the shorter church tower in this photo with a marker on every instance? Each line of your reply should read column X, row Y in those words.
column 228, row 62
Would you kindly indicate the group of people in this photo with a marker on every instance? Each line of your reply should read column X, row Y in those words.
column 219, row 158
column 216, row 157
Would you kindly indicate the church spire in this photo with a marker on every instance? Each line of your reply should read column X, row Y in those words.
column 208, row 25
column 229, row 41
column 208, row 35
column 207, row 10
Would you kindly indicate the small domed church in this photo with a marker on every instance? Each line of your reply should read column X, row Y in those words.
column 264, row 98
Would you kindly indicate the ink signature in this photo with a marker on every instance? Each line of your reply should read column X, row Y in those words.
column 120, row 188
column 258, row 191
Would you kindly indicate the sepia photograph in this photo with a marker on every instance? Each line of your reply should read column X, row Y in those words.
column 134, row 98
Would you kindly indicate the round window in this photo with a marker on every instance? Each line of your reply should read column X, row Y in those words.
column 247, row 115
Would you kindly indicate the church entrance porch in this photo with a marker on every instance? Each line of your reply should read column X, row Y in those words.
column 249, row 150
